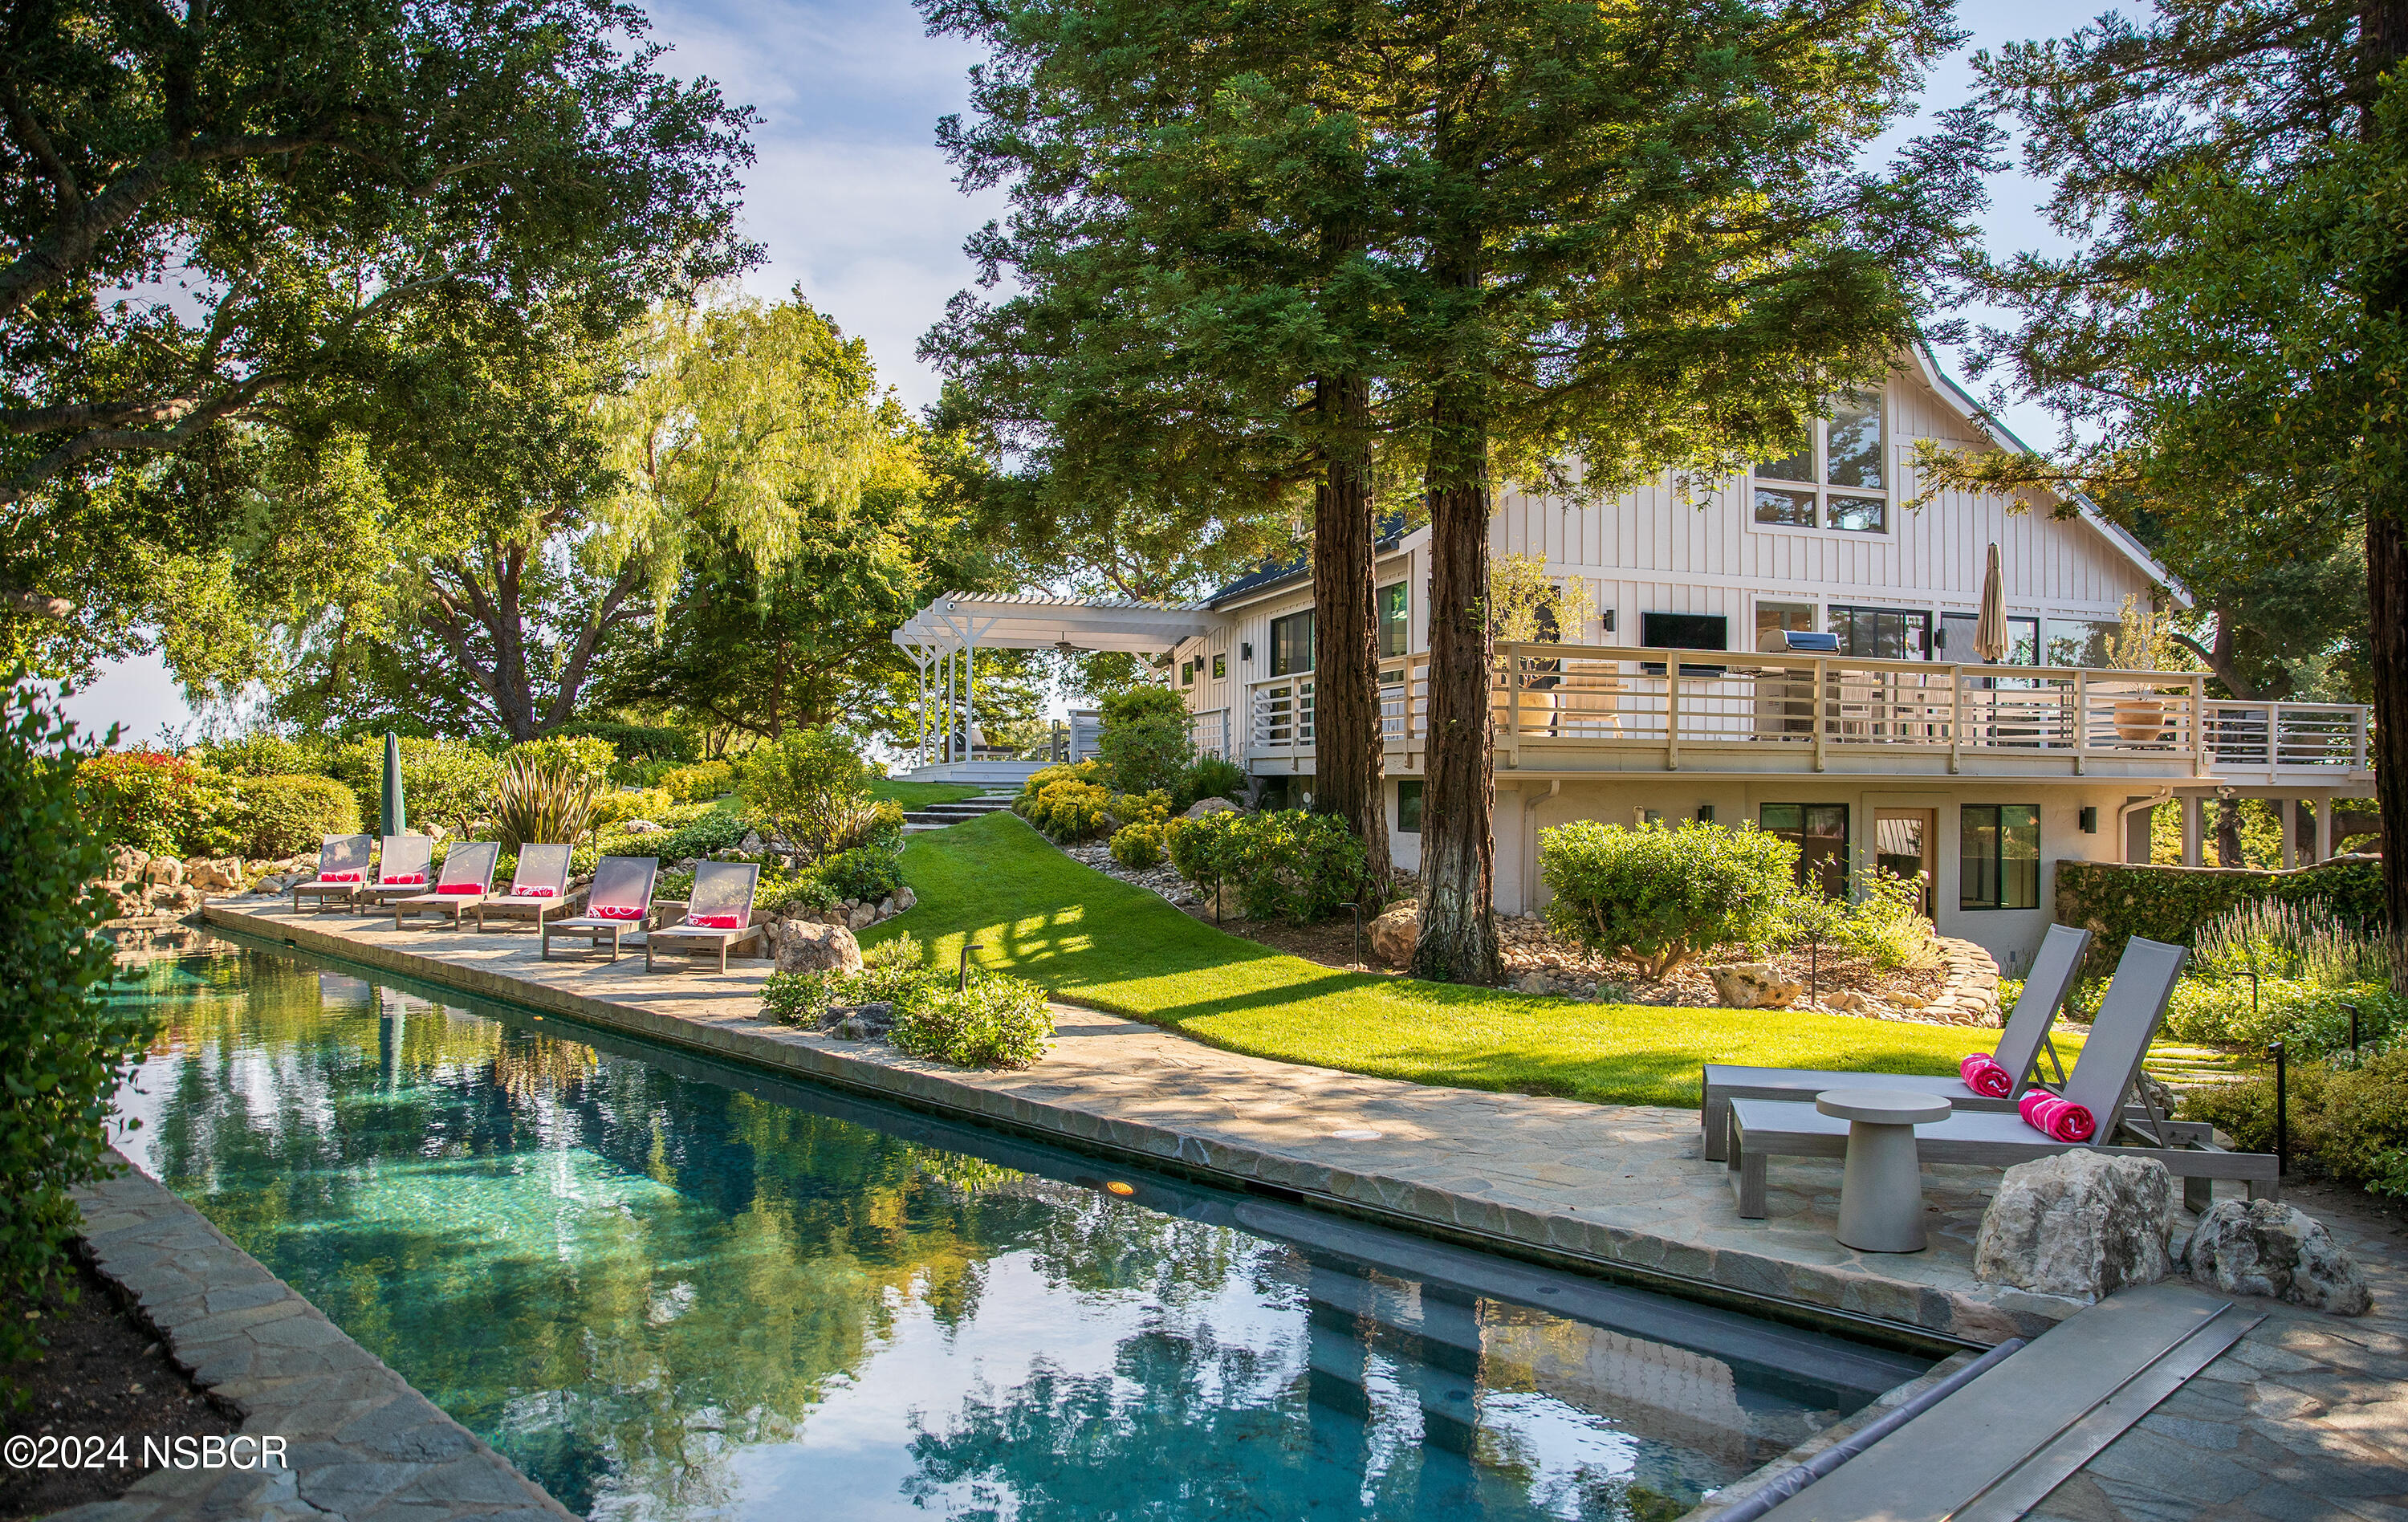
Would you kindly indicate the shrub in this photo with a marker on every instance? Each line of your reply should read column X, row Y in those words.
column 581, row 756
column 867, row 874
column 1288, row 866
column 1072, row 811
column 1045, row 777
column 877, row 824
column 812, row 787
column 633, row 744
column 263, row 753
column 2349, row 1123
column 542, row 798
column 617, row 805
column 2118, row 901
column 996, row 1021
column 67, row 1051
column 804, row 890
column 289, row 816
column 1664, row 896
column 451, row 781
column 1212, row 778
column 152, row 801
column 1137, row 847
column 1145, row 741
column 2311, row 1016
column 1884, row 924
column 712, row 832
column 1139, row 808
column 698, row 783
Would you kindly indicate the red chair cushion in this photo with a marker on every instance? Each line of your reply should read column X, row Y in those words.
column 614, row 912
column 403, row 880
column 339, row 877
column 717, row 922
column 459, row 887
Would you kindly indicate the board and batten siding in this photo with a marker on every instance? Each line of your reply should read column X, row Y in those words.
column 1656, row 549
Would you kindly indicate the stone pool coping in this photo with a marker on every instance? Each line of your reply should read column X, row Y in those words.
column 359, row 1443
column 1617, row 1190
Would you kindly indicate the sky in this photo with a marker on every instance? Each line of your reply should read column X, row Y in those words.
column 856, row 207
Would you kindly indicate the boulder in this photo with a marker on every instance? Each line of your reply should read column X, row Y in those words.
column 1848, row 999
column 751, row 845
column 125, row 864
column 2265, row 1247
column 214, row 876
column 643, row 827
column 1535, row 983
column 127, row 905
column 1909, row 1001
column 2077, row 1223
column 818, row 948
column 1201, row 807
column 862, row 916
column 176, row 900
column 1393, row 935
column 162, row 872
column 904, row 898
column 1753, row 985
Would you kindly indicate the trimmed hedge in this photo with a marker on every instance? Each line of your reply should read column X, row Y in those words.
column 2116, row 902
column 289, row 816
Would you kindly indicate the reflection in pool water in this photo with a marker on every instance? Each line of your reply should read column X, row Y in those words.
column 669, row 1289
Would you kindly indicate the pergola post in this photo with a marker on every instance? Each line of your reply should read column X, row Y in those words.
column 2194, row 830
column 969, row 695
column 920, row 731
column 2324, row 829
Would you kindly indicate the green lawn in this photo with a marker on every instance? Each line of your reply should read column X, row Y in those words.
column 919, row 794
column 1102, row 943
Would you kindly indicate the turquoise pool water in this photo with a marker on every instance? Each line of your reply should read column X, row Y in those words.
column 668, row 1289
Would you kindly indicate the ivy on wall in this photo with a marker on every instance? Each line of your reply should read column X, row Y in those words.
column 2116, row 902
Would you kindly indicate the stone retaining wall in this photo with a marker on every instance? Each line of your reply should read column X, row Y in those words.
column 1968, row 990
column 359, row 1442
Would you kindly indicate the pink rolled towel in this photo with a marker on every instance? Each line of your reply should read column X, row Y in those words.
column 615, row 911
column 1983, row 1075
column 2062, row 1119
column 717, row 922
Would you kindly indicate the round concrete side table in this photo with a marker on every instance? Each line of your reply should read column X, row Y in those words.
column 1881, row 1197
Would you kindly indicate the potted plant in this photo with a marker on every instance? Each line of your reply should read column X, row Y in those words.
column 2143, row 641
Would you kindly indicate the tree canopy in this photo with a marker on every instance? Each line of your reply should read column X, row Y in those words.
column 235, row 219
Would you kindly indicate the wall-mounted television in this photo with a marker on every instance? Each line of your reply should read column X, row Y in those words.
column 1684, row 631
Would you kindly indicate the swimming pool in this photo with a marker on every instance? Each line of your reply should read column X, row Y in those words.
column 671, row 1289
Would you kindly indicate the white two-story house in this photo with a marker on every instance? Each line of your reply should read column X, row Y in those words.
column 1793, row 649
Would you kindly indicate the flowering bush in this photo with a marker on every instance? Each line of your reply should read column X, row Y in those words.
column 1137, row 847
column 167, row 805
column 698, row 783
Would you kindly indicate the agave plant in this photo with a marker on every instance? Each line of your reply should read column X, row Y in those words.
column 544, row 801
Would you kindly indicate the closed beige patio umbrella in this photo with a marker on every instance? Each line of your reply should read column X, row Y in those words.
column 1990, row 630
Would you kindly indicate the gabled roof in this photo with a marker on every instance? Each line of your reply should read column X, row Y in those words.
column 1997, row 431
column 1038, row 620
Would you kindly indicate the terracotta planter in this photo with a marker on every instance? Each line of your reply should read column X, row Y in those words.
column 2140, row 721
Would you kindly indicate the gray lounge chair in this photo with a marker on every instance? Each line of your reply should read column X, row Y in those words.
column 719, row 913
column 342, row 866
column 405, row 868
column 467, row 879
column 539, row 888
column 2020, row 1047
column 2102, row 1080
column 619, row 900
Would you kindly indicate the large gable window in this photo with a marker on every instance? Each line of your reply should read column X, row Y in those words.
column 1836, row 479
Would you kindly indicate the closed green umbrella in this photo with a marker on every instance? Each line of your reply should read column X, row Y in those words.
column 394, row 814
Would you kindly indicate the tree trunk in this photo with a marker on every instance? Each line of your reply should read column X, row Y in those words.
column 1459, row 926
column 2227, row 833
column 1346, row 628
column 2383, row 42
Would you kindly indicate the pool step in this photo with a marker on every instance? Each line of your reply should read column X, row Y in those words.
column 1993, row 1449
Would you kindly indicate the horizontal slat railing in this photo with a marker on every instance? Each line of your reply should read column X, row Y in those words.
column 1827, row 705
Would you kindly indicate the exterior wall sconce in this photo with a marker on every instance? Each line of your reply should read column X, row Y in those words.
column 1245, row 651
column 1705, row 813
column 1608, row 617
column 2090, row 820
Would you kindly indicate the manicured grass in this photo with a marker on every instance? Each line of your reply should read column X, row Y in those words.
column 1093, row 940
column 919, row 794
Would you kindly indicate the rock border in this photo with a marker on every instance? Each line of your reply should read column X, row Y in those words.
column 359, row 1441
column 1968, row 987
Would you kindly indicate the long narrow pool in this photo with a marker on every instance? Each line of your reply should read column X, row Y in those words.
column 671, row 1289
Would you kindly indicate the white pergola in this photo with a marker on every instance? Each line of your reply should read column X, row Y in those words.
column 944, row 637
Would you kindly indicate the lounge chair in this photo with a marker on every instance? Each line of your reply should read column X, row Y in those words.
column 2020, row 1046
column 719, row 913
column 467, row 877
column 539, row 888
column 342, row 866
column 405, row 868
column 618, row 899
column 2102, row 1081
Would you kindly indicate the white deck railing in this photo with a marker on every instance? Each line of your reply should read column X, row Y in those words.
column 1826, row 708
